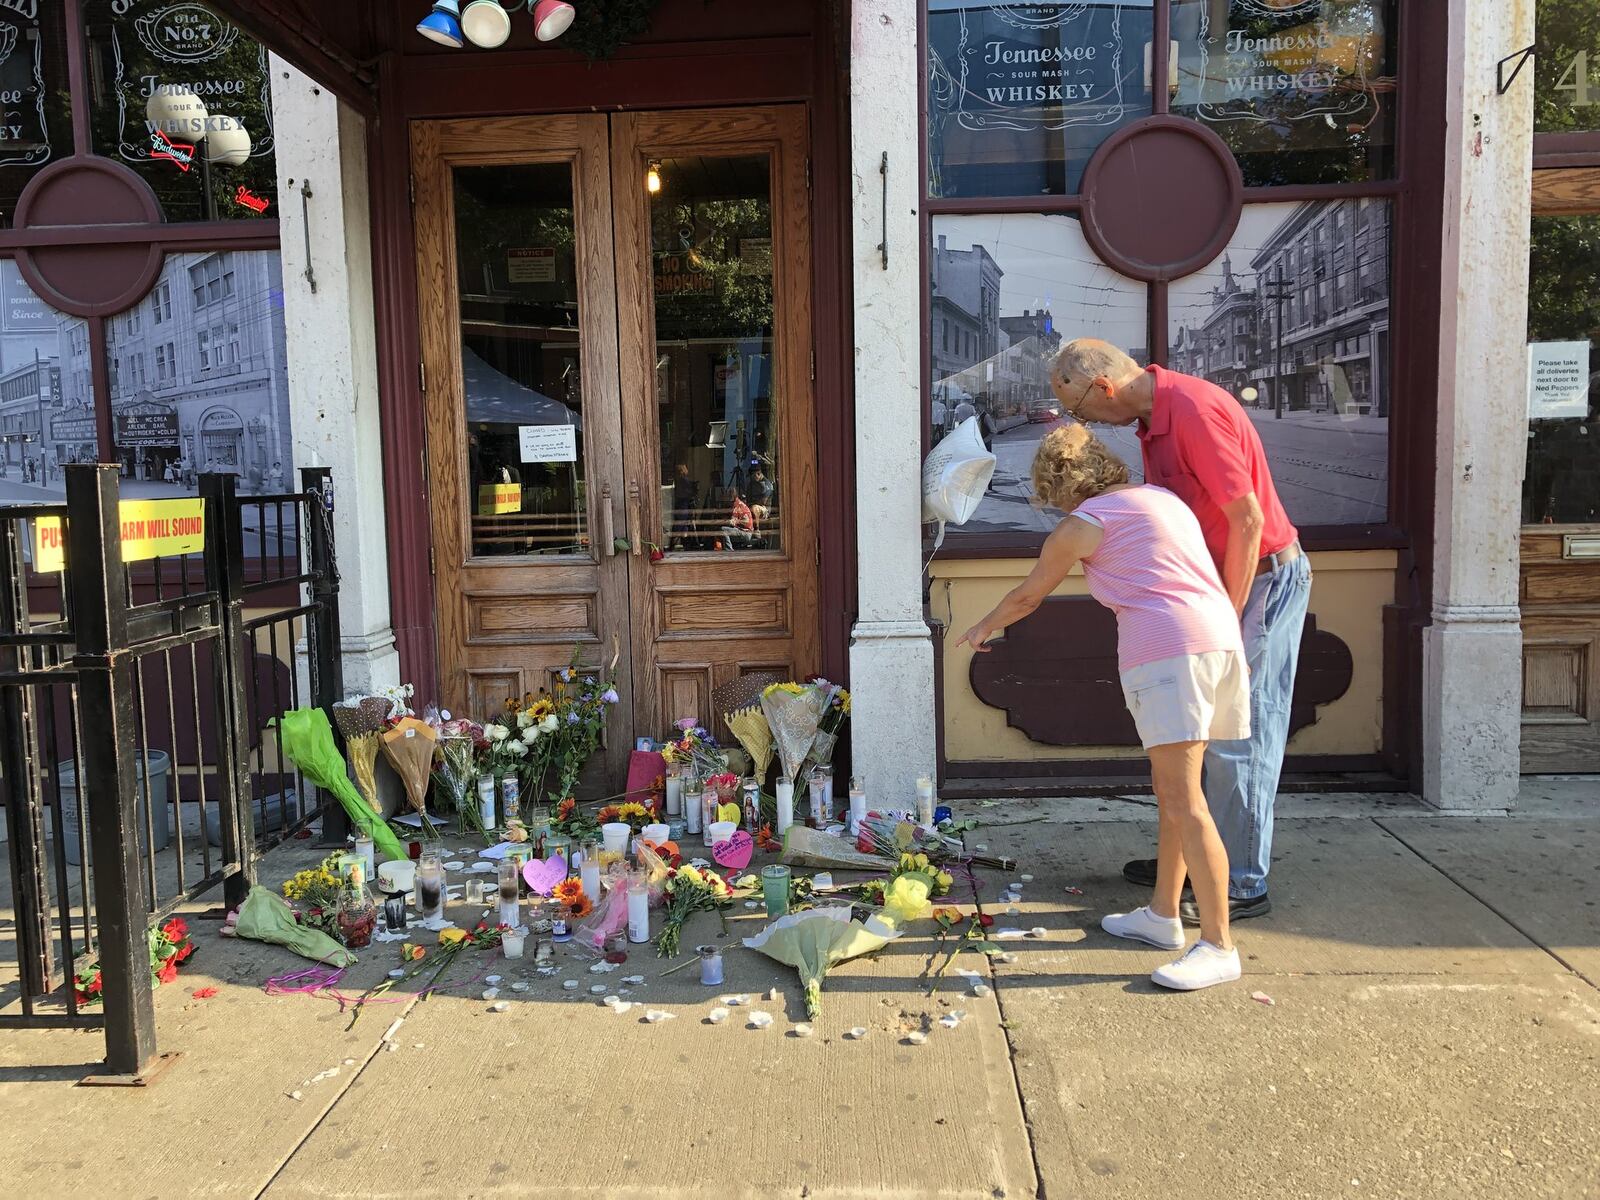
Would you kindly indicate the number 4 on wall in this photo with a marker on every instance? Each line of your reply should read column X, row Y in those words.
column 1575, row 79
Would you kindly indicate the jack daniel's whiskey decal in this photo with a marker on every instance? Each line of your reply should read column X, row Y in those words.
column 24, row 127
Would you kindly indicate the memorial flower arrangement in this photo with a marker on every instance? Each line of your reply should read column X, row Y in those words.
column 569, row 892
column 315, row 894
column 690, row 890
column 696, row 748
column 170, row 946
column 631, row 813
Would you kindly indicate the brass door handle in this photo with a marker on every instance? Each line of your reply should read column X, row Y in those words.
column 608, row 530
column 633, row 517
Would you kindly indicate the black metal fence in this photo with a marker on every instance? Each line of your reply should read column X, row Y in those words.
column 138, row 763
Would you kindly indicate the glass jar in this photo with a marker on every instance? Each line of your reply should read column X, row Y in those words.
column 710, row 965
column 430, row 888
column 775, row 888
column 358, row 915
column 750, row 807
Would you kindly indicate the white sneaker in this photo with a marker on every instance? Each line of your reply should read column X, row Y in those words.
column 1202, row 966
column 1142, row 925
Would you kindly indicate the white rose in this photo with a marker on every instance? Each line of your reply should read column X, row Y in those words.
column 524, row 719
column 550, row 724
column 530, row 736
column 517, row 749
column 496, row 733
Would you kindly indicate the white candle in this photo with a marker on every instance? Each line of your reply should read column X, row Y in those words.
column 925, row 802
column 858, row 804
column 638, row 914
column 691, row 814
column 511, row 942
column 674, row 794
column 785, row 805
column 508, row 913
column 589, row 876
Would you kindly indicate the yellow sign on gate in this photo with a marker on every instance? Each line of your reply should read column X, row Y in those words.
column 497, row 498
column 150, row 529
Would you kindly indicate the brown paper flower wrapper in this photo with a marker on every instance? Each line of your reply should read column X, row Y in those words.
column 409, row 748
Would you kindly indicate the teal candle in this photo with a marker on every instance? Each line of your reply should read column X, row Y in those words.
column 775, row 889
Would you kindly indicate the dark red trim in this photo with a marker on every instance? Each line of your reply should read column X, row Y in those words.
column 1304, row 773
column 410, row 531
column 197, row 235
column 1569, row 160
column 100, row 385
column 294, row 32
column 1160, row 60
column 1584, row 144
column 980, row 205
column 1322, row 191
column 77, row 75
column 1316, row 539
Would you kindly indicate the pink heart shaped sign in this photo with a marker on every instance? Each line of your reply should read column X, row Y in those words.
column 736, row 851
column 543, row 874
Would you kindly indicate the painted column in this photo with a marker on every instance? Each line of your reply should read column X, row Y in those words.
column 333, row 379
column 891, row 651
column 1472, row 651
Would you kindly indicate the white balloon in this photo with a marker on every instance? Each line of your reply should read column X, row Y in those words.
column 227, row 143
column 179, row 115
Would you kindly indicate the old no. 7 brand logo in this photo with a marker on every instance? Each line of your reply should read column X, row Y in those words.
column 27, row 9
column 185, row 33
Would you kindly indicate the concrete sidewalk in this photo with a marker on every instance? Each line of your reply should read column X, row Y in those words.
column 1434, row 1031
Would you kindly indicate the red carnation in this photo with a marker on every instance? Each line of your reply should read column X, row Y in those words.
column 168, row 972
column 94, row 984
column 204, row 993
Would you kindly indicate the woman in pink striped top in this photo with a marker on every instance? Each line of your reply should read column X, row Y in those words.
column 1181, row 658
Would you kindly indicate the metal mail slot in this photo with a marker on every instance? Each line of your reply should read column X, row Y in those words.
column 1580, row 545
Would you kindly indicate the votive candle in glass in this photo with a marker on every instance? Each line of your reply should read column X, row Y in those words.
column 826, row 771
column 509, row 877
column 785, row 793
column 925, row 801
column 510, row 800
column 589, row 873
column 858, row 803
column 817, row 816
column 512, row 942
column 691, row 807
column 674, row 790
column 751, row 804
column 486, row 801
column 638, row 907
column 430, row 888
column 775, row 888
column 710, row 965
column 708, row 810
column 364, row 852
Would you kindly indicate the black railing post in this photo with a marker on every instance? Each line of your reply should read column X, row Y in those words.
column 105, row 666
column 30, row 871
column 224, row 559
column 322, row 631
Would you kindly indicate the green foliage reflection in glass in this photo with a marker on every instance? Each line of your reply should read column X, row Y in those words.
column 1564, row 306
column 1567, row 66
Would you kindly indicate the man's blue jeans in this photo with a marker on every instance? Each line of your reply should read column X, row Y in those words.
column 1241, row 778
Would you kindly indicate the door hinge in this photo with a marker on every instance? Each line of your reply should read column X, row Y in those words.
column 422, row 375
column 808, row 172
column 430, row 558
column 813, row 366
column 411, row 189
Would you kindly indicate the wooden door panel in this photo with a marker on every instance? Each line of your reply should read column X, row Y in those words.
column 701, row 618
column 508, row 622
column 1560, row 654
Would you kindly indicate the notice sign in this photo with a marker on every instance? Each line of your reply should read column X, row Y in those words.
column 150, row 529
column 495, row 499
column 1558, row 380
column 531, row 264
column 548, row 443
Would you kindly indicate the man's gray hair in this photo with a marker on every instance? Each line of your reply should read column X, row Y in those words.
column 1085, row 359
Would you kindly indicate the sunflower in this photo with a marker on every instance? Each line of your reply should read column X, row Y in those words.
column 565, row 808
column 581, row 907
column 568, row 891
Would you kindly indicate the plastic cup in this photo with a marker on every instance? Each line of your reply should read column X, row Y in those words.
column 655, row 833
column 614, row 836
column 721, row 831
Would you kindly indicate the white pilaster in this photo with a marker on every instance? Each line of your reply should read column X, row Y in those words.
column 891, row 652
column 1472, row 651
column 333, row 369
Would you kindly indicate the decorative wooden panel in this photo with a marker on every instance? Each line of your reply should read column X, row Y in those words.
column 1564, row 583
column 741, row 612
column 1553, row 678
column 685, row 691
column 1055, row 675
column 529, row 619
column 488, row 691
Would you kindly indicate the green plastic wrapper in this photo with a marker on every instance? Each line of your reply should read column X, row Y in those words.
column 815, row 939
column 265, row 917
column 308, row 741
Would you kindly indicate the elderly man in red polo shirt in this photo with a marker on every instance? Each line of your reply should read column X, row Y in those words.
column 1197, row 442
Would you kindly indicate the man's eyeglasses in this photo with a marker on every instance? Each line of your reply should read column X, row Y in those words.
column 1072, row 409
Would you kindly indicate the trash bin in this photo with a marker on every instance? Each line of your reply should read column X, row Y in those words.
column 159, row 767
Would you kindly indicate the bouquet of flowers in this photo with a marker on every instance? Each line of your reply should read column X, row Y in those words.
column 170, row 945
column 695, row 747
column 315, row 892
column 408, row 744
column 690, row 890
column 631, row 813
column 559, row 731
column 835, row 710
column 455, row 761
column 889, row 835
column 360, row 719
column 794, row 713
column 570, row 821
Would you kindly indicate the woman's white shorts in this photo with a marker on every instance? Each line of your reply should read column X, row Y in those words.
column 1191, row 698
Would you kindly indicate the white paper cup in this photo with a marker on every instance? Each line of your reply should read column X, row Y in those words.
column 614, row 836
column 721, row 831
column 396, row 875
column 655, row 833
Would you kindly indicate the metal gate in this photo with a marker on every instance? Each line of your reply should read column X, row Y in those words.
column 138, row 765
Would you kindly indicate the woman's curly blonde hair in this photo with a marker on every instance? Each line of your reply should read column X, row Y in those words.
column 1071, row 465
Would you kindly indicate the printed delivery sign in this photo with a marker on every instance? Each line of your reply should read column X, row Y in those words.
column 150, row 529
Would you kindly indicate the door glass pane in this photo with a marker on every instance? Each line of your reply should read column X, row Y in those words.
column 184, row 97
column 1020, row 95
column 1566, row 70
column 1004, row 293
column 711, row 254
column 33, row 81
column 1293, row 322
column 47, row 403
column 521, row 376
column 1303, row 91
column 1563, row 327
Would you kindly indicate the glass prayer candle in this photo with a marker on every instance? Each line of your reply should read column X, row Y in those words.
column 394, row 911
column 430, row 888
column 925, row 802
column 691, row 807
column 589, row 873
column 708, row 810
column 638, row 907
column 785, row 791
column 751, row 804
column 826, row 772
column 775, row 888
column 510, row 894
column 486, row 801
column 512, row 942
column 510, row 800
column 674, row 790
column 364, row 852
column 710, row 966
column 559, row 843
column 858, row 803
column 817, row 815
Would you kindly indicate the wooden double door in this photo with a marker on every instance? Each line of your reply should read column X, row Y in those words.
column 615, row 327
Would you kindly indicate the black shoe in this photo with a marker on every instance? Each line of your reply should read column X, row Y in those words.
column 1142, row 873
column 1238, row 910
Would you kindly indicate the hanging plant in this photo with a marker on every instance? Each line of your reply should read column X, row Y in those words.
column 603, row 25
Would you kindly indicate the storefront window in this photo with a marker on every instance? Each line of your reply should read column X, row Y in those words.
column 522, row 376
column 711, row 248
column 1566, row 94
column 1005, row 292
column 199, row 379
column 1303, row 91
column 1563, row 329
column 1020, row 95
column 35, row 110
column 183, row 97
column 47, row 410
